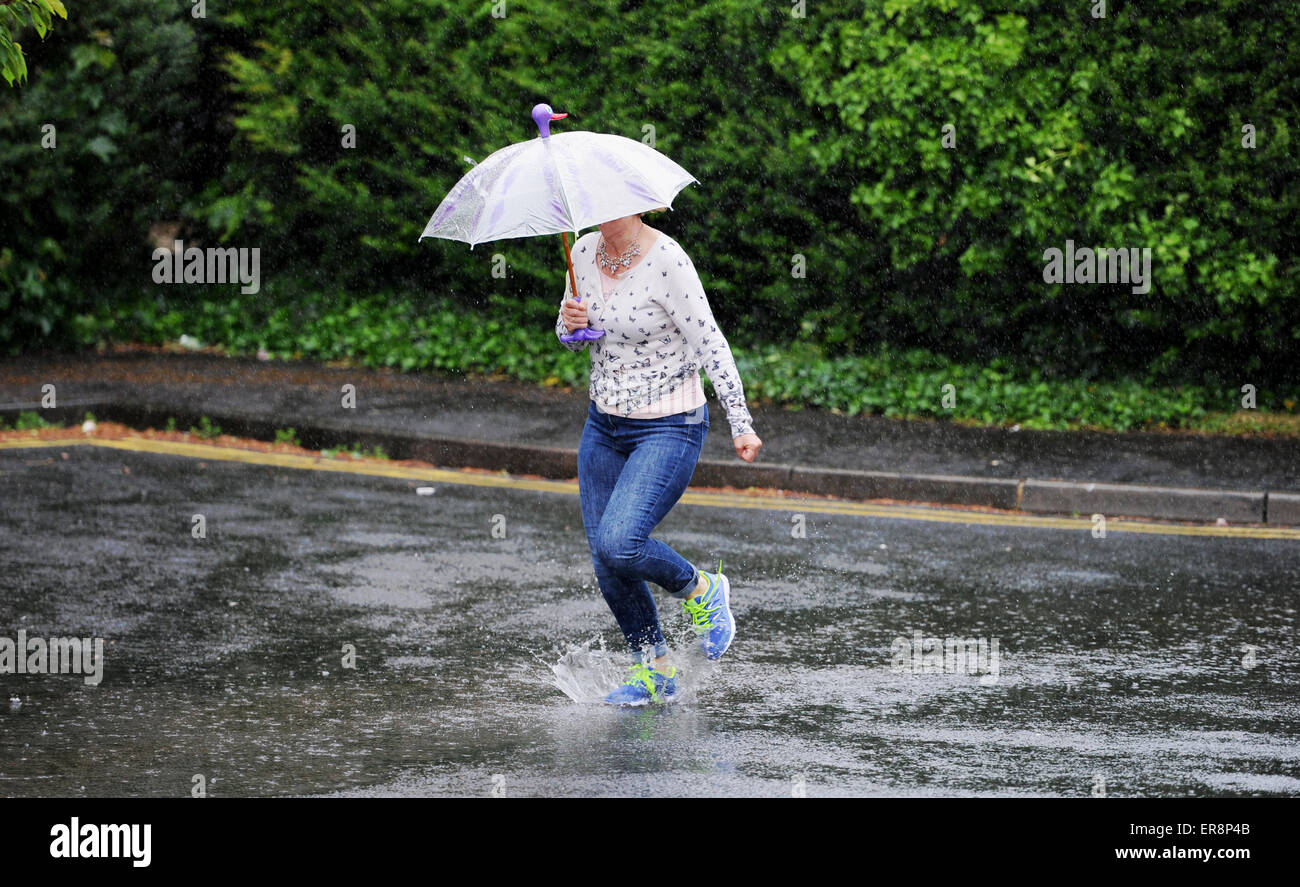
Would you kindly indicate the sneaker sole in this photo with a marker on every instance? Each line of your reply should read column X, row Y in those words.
column 667, row 698
column 642, row 704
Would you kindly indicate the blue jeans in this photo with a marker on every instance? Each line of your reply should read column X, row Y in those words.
column 631, row 472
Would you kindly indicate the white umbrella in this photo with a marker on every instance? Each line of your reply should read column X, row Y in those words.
column 556, row 184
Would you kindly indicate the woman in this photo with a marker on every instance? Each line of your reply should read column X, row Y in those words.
column 645, row 428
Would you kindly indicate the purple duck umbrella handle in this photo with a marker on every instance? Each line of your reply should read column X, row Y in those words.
column 543, row 115
column 583, row 334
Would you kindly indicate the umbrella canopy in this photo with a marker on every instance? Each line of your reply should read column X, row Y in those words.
column 554, row 184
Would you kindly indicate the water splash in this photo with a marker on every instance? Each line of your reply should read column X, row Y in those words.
column 587, row 675
column 588, row 672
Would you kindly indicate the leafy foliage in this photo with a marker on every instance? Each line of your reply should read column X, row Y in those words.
column 206, row 429
column 816, row 140
column 1117, row 132
column 113, row 142
column 13, row 13
column 389, row 330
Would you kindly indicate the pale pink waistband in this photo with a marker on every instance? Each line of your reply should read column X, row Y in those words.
column 688, row 397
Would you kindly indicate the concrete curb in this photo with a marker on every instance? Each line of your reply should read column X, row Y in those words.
column 994, row 492
column 1170, row 503
column 1282, row 508
column 1024, row 494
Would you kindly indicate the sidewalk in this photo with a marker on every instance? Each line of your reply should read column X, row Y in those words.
column 532, row 430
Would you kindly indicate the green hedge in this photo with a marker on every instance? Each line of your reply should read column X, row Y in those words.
column 518, row 341
column 123, row 85
column 818, row 137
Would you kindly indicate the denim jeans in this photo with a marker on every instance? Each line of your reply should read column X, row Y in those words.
column 630, row 474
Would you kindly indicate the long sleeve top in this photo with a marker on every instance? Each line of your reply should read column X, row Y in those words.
column 659, row 333
column 690, row 397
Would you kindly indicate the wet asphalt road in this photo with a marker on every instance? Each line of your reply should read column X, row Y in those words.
column 1122, row 662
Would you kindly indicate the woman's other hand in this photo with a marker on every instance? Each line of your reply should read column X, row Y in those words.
column 574, row 315
column 747, row 446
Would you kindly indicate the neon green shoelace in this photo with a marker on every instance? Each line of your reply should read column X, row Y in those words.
column 642, row 674
column 699, row 613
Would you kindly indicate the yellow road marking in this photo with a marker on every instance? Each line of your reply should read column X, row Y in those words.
column 714, row 500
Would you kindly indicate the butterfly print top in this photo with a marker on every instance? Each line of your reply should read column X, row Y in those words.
column 659, row 332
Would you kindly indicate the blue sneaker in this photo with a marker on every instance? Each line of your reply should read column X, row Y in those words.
column 710, row 613
column 646, row 685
